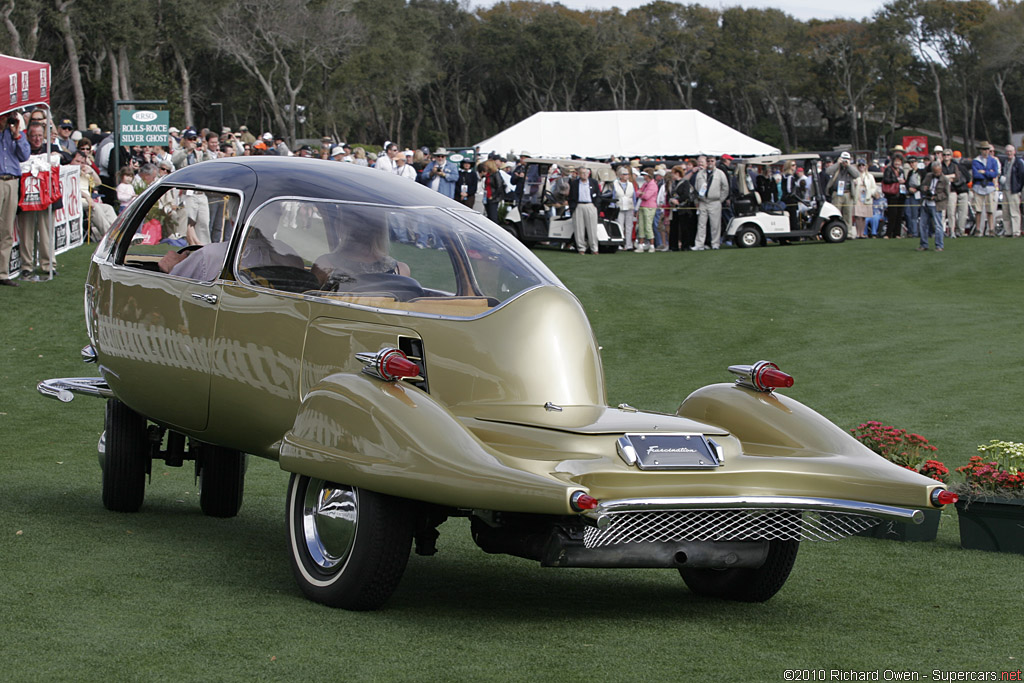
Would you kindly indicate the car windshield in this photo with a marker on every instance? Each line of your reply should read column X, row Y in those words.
column 424, row 260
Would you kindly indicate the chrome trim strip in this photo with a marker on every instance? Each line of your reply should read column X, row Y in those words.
column 88, row 354
column 601, row 514
column 719, row 451
column 64, row 389
column 625, row 449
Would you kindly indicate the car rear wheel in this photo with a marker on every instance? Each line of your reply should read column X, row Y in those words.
column 748, row 237
column 746, row 584
column 834, row 231
column 221, row 481
column 349, row 546
column 125, row 458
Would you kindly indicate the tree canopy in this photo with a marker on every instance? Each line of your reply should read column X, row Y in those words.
column 434, row 72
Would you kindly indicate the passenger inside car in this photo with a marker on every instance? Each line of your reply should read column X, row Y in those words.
column 206, row 263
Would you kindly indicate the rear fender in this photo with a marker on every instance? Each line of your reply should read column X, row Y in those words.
column 806, row 447
column 393, row 438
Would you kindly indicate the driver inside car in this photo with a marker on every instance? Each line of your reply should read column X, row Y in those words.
column 361, row 248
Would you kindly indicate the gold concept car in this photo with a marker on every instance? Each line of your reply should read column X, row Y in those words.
column 407, row 361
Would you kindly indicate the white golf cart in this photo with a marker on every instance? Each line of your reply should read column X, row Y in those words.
column 542, row 214
column 753, row 223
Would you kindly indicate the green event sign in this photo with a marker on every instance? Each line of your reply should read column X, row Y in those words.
column 144, row 127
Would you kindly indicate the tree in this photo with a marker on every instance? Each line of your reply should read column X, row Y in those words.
column 63, row 10
column 280, row 43
column 1001, row 34
column 895, row 94
column 21, row 21
column 759, row 68
column 678, row 41
column 846, row 63
column 949, row 29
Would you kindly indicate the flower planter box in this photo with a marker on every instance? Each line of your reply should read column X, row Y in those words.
column 995, row 524
column 906, row 531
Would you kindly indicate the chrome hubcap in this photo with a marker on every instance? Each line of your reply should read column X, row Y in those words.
column 838, row 232
column 330, row 515
column 749, row 239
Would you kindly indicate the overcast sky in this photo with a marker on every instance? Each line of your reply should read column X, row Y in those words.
column 801, row 9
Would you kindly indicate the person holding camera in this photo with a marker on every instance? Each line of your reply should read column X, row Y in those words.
column 189, row 152
column 440, row 174
column 840, row 190
column 14, row 149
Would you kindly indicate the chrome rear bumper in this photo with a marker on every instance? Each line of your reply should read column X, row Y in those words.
column 735, row 518
column 601, row 513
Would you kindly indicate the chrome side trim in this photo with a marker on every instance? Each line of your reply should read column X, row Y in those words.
column 601, row 515
column 719, row 451
column 208, row 298
column 64, row 389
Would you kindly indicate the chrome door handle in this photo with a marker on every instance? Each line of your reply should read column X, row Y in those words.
column 208, row 298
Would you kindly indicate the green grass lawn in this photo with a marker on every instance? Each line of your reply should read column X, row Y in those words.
column 870, row 330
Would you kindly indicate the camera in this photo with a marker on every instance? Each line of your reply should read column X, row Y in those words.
column 12, row 120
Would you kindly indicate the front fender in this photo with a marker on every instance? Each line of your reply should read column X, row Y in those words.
column 804, row 445
column 392, row 438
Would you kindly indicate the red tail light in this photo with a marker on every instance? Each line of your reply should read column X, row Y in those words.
column 388, row 364
column 761, row 376
column 770, row 377
column 944, row 497
column 581, row 501
column 397, row 365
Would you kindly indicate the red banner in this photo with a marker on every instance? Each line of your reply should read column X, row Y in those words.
column 915, row 145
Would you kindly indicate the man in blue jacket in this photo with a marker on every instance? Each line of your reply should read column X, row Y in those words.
column 1013, row 182
column 13, row 150
column 440, row 174
column 985, row 171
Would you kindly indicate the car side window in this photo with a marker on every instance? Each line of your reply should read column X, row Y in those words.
column 283, row 241
column 177, row 223
column 418, row 259
column 325, row 247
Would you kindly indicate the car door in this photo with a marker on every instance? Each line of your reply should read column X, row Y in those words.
column 157, row 308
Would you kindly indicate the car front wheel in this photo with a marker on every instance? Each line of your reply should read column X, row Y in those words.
column 349, row 546
column 746, row 584
column 125, row 458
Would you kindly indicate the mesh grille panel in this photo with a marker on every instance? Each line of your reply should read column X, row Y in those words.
column 727, row 525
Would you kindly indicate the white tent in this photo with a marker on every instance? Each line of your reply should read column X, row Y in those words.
column 600, row 134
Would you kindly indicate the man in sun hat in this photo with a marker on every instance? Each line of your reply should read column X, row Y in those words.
column 840, row 189
column 985, row 172
column 440, row 174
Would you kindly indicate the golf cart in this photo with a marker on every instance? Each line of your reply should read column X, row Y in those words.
column 542, row 213
column 754, row 223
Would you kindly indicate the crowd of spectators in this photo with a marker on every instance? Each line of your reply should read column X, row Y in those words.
column 681, row 205
column 687, row 205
